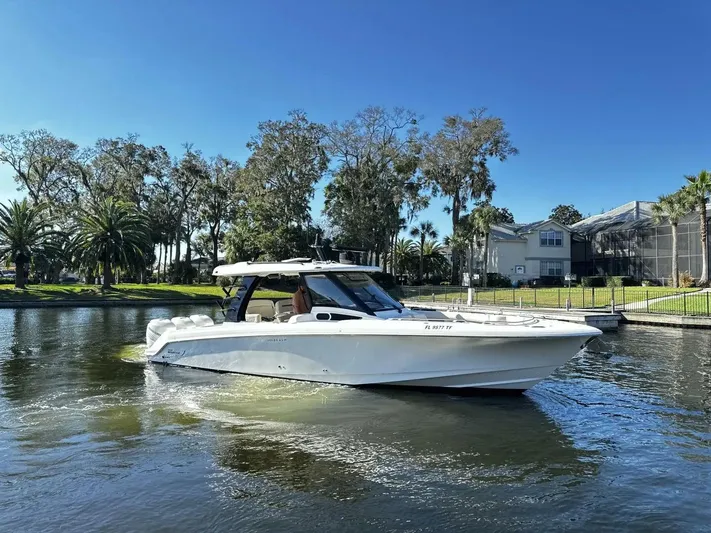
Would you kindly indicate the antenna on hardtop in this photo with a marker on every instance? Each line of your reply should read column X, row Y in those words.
column 318, row 247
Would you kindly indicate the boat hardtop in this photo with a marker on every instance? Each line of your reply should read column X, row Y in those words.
column 288, row 267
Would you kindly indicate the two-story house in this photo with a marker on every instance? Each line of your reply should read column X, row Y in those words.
column 527, row 251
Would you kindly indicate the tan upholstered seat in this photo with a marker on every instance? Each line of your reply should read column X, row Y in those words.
column 262, row 307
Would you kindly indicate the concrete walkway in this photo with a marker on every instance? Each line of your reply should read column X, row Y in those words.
column 643, row 305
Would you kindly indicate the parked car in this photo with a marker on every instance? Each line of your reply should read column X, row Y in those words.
column 546, row 281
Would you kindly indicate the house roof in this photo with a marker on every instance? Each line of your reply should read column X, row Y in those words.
column 501, row 233
column 514, row 232
column 632, row 215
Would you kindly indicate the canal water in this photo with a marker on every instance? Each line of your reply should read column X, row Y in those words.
column 94, row 439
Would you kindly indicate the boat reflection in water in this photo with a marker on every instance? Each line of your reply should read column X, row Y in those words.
column 345, row 442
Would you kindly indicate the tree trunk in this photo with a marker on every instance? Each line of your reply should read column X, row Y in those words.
column 106, row 285
column 460, row 272
column 20, row 273
column 188, row 263
column 422, row 260
column 486, row 259
column 215, row 237
column 456, row 208
column 703, row 226
column 165, row 262
column 177, row 256
column 160, row 256
column 394, row 258
column 143, row 278
column 675, row 256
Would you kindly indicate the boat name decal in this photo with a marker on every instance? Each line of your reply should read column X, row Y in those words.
column 429, row 326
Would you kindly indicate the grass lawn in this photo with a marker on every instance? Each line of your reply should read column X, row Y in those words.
column 692, row 304
column 121, row 291
column 580, row 298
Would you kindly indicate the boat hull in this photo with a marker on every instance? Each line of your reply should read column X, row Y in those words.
column 437, row 362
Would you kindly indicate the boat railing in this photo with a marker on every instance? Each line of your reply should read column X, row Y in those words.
column 527, row 319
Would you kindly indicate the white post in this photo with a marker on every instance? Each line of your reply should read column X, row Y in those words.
column 520, row 302
column 469, row 296
column 567, row 304
column 612, row 306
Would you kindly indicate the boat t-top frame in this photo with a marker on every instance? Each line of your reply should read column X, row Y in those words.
column 246, row 277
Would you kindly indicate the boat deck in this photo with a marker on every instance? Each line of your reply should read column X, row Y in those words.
column 602, row 321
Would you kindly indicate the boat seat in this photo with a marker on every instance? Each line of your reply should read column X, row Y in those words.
column 284, row 310
column 265, row 308
column 284, row 306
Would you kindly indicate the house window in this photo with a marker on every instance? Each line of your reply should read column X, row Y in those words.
column 551, row 238
column 551, row 268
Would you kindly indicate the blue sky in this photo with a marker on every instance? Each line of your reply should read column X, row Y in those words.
column 607, row 101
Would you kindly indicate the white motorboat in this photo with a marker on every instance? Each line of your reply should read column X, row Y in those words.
column 354, row 333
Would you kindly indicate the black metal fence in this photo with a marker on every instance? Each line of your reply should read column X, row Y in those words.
column 631, row 299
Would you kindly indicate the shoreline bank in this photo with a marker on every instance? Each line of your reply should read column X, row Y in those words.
column 128, row 302
column 577, row 315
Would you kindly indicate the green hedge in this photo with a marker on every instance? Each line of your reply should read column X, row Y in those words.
column 607, row 281
column 497, row 281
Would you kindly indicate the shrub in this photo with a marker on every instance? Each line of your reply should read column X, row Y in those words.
column 686, row 280
column 182, row 273
column 497, row 281
column 592, row 281
column 608, row 281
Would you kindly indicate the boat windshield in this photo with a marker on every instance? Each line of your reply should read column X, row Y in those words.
column 325, row 292
column 369, row 292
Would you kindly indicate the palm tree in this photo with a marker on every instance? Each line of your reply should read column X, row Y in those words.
column 403, row 252
column 434, row 260
column 401, row 226
column 458, row 243
column 24, row 229
column 673, row 207
column 112, row 232
column 466, row 236
column 425, row 230
column 699, row 188
column 56, row 254
column 485, row 216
